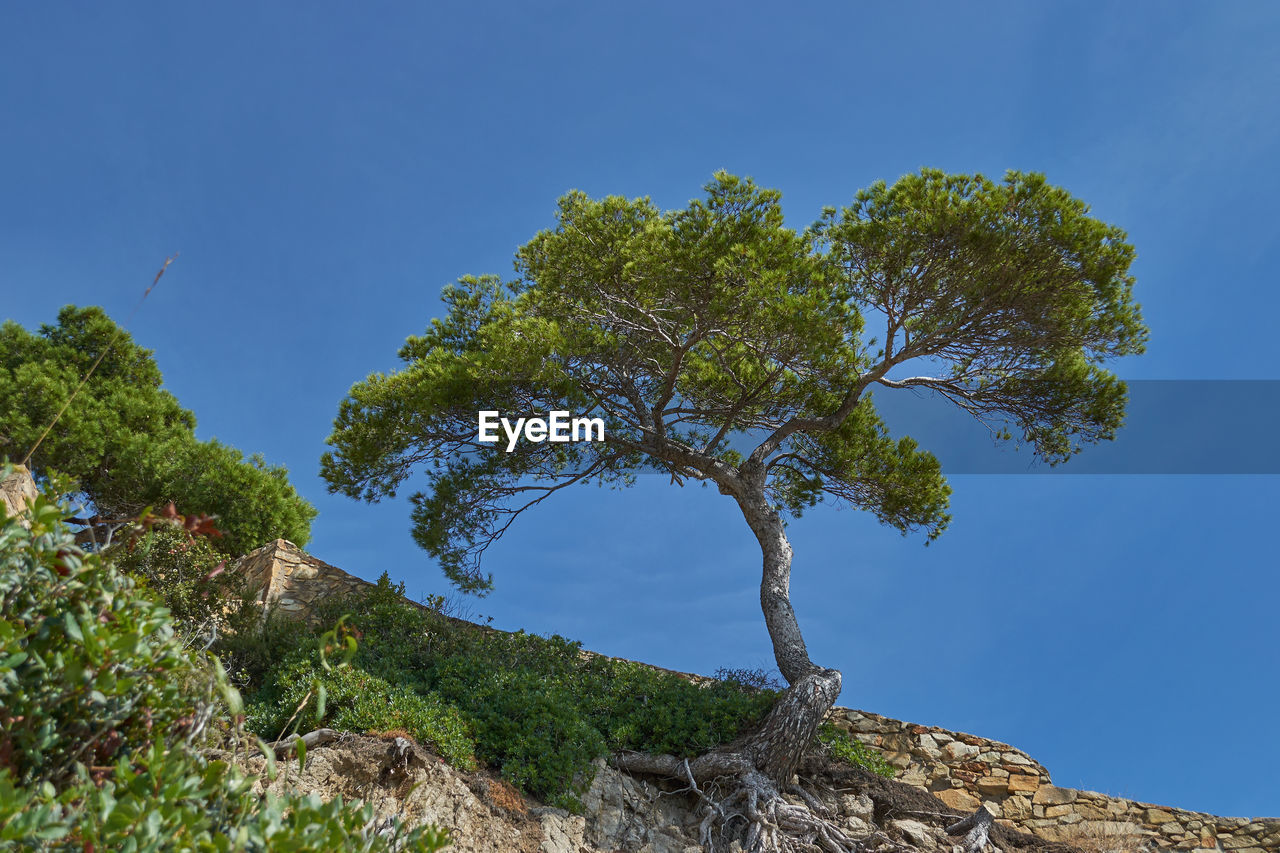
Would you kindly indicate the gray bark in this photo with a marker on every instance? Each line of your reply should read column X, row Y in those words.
column 977, row 829
column 777, row 745
column 310, row 740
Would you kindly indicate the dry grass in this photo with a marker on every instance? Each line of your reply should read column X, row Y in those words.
column 392, row 734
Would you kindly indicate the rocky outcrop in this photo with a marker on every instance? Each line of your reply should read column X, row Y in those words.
column 958, row 771
column 620, row 813
column 15, row 491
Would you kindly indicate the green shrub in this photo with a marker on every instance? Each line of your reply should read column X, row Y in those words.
column 185, row 572
column 126, row 442
column 105, row 715
column 540, row 709
column 647, row 710
column 837, row 744
column 81, row 649
column 360, row 702
column 253, row 643
column 398, row 640
column 528, row 727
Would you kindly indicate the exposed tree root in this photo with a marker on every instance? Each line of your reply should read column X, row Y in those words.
column 976, row 829
column 739, row 802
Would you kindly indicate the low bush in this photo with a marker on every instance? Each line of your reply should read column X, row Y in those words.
column 540, row 709
column 106, row 714
column 185, row 572
column 837, row 744
column 360, row 702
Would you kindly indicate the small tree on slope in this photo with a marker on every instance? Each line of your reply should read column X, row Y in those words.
column 690, row 330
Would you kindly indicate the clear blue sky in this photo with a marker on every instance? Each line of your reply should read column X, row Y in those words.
column 325, row 168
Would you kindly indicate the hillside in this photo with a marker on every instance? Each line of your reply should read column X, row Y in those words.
column 940, row 777
column 951, row 772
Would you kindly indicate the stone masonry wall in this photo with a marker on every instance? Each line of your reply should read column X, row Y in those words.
column 293, row 580
column 965, row 771
column 962, row 770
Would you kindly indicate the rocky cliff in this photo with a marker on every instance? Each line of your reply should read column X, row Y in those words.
column 942, row 776
column 952, row 772
column 621, row 813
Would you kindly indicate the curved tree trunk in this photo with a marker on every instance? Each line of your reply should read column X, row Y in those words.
column 764, row 762
column 776, row 747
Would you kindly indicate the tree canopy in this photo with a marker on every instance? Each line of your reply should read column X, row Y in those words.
column 125, row 440
column 691, row 330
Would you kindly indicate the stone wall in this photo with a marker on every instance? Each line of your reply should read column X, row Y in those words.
column 964, row 771
column 15, row 491
column 285, row 575
column 960, row 769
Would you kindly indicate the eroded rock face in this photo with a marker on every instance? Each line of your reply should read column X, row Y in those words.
column 620, row 813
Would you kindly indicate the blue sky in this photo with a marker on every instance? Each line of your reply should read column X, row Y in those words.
column 324, row 169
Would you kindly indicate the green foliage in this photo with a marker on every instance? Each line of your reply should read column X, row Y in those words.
column 539, row 709
column 254, row 643
column 80, row 652
column 688, row 329
column 105, row 715
column 360, row 702
column 127, row 442
column 186, row 572
column 837, row 744
column 529, row 724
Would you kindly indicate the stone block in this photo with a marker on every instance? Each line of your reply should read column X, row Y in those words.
column 900, row 760
column 992, row 786
column 929, row 747
column 957, row 750
column 863, row 724
column 1051, row 795
column 959, row 799
column 915, row 776
column 1158, row 816
column 1020, row 784
column 1092, row 812
column 914, row 832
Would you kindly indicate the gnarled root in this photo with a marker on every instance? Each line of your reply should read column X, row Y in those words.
column 739, row 801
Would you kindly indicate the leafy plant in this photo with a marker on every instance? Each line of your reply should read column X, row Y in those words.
column 124, row 440
column 540, row 709
column 356, row 701
column 837, row 744
column 105, row 715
